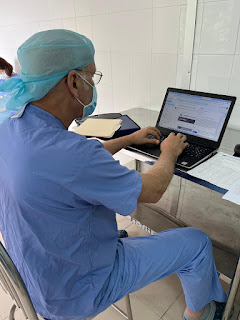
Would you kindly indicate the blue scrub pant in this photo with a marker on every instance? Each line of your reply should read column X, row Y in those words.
column 143, row 260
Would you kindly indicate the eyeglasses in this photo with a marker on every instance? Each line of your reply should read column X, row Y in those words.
column 96, row 76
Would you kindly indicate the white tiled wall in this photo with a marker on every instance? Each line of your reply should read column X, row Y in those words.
column 139, row 44
column 216, row 63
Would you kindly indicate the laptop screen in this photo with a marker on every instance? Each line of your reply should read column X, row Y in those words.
column 196, row 115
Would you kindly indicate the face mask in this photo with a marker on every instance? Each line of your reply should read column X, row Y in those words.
column 89, row 109
column 3, row 76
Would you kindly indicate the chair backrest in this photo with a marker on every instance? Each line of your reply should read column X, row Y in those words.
column 14, row 285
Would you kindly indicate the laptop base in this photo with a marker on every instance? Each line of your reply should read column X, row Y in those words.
column 184, row 161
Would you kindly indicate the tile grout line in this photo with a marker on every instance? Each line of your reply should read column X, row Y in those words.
column 172, row 303
column 144, row 302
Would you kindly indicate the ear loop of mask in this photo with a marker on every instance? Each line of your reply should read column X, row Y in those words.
column 86, row 87
column 89, row 109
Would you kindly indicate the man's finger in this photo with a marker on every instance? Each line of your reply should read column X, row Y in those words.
column 154, row 133
column 158, row 131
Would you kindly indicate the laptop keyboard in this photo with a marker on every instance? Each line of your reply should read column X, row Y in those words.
column 196, row 151
column 192, row 150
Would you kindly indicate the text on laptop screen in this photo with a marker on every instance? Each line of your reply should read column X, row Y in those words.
column 196, row 115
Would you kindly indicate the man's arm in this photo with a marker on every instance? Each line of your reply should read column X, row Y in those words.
column 116, row 145
column 138, row 137
column 157, row 179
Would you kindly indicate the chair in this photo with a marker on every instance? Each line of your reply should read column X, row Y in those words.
column 13, row 284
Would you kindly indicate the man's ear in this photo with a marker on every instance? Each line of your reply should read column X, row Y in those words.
column 72, row 84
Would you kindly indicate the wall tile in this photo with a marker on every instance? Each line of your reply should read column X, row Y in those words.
column 99, row 7
column 22, row 11
column 125, row 5
column 140, row 79
column 105, row 98
column 166, row 3
column 198, row 29
column 141, row 99
column 238, row 43
column 28, row 12
column 54, row 9
column 214, row 73
column 7, row 19
column 10, row 55
column 101, row 32
column 194, row 72
column 156, row 102
column 103, row 64
column 121, row 81
column 82, row 8
column 163, row 75
column 57, row 24
column 26, row 30
column 90, row 7
column 182, row 29
column 234, row 88
column 165, row 29
column 43, row 25
column 13, row 36
column 164, row 72
column 235, row 116
column 84, row 26
column 179, row 71
column 70, row 24
column 220, row 26
column 68, row 8
column 140, row 71
column 216, row 0
column 131, row 31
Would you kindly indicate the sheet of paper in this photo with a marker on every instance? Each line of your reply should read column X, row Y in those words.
column 233, row 194
column 222, row 170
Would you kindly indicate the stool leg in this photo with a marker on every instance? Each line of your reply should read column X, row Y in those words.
column 129, row 309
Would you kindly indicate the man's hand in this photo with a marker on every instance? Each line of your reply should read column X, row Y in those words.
column 158, row 177
column 174, row 144
column 141, row 136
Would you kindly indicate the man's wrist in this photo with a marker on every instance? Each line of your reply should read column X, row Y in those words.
column 169, row 155
column 129, row 139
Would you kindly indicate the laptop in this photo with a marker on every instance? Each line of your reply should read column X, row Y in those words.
column 202, row 117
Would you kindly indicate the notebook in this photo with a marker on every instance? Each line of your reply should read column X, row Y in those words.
column 102, row 128
column 202, row 117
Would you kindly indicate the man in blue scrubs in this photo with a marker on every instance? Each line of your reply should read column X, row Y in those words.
column 59, row 193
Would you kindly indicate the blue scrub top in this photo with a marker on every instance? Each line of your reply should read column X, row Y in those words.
column 59, row 193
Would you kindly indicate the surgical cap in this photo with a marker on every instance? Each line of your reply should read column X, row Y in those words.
column 45, row 58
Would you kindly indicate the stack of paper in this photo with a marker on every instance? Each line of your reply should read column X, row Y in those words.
column 102, row 128
column 222, row 170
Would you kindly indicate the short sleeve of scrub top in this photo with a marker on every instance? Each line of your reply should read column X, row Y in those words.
column 105, row 182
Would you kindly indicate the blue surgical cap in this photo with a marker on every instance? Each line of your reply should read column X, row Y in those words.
column 45, row 58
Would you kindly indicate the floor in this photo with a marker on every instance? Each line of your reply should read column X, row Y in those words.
column 163, row 299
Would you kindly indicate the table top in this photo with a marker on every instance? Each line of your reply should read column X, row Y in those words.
column 145, row 117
